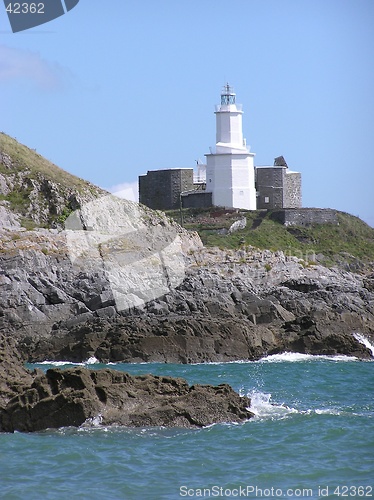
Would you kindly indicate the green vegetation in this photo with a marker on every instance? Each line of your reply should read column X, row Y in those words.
column 24, row 158
column 64, row 215
column 349, row 240
column 18, row 200
column 28, row 223
column 40, row 192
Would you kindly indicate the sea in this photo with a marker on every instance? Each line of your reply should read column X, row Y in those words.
column 312, row 437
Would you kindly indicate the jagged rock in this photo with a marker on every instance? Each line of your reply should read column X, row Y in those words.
column 369, row 283
column 227, row 308
column 302, row 285
column 79, row 396
column 43, row 283
column 13, row 376
column 8, row 220
column 156, row 339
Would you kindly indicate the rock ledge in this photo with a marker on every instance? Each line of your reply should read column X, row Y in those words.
column 78, row 396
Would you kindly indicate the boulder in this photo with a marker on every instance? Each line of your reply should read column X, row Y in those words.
column 79, row 396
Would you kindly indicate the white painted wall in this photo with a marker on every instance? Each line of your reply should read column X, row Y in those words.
column 230, row 175
column 229, row 128
column 243, row 174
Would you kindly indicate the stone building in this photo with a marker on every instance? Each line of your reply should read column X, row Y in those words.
column 174, row 188
column 161, row 189
column 277, row 186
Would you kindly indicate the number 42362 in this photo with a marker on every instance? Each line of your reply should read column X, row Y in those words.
column 25, row 8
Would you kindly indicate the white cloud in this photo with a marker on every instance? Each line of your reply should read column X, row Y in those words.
column 21, row 64
column 126, row 190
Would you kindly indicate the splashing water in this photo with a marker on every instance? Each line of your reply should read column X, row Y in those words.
column 91, row 361
column 263, row 408
column 364, row 341
column 292, row 357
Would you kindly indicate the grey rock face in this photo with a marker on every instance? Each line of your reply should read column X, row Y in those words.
column 13, row 376
column 231, row 305
column 8, row 220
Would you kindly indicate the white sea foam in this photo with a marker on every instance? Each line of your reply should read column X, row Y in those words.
column 93, row 421
column 131, row 363
column 297, row 356
column 327, row 411
column 59, row 363
column 91, row 361
column 366, row 342
column 263, row 408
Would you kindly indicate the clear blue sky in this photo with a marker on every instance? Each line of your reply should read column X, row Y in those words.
column 113, row 89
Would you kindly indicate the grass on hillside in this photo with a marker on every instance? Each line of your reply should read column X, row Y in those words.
column 351, row 237
column 28, row 166
column 24, row 158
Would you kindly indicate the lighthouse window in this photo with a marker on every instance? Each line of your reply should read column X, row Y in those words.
column 267, row 199
column 241, row 193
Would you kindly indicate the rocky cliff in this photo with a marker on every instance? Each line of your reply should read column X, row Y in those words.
column 230, row 305
column 120, row 282
column 124, row 283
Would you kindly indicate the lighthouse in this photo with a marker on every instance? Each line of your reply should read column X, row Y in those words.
column 230, row 173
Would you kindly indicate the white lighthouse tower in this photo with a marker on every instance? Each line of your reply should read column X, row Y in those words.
column 230, row 175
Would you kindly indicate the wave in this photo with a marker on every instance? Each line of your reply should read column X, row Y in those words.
column 264, row 408
column 290, row 357
column 285, row 357
column 364, row 341
column 58, row 363
column 93, row 421
column 297, row 356
column 89, row 361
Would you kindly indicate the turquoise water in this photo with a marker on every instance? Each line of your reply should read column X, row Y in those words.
column 313, row 433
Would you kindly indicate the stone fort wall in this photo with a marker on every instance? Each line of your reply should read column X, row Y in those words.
column 304, row 216
column 200, row 199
